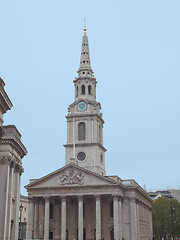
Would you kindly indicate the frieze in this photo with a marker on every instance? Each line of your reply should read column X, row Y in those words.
column 72, row 178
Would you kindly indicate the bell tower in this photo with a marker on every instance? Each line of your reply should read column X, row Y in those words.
column 84, row 120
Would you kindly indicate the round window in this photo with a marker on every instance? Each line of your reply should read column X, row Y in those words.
column 81, row 156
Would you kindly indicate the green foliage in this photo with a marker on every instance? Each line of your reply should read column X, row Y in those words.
column 176, row 206
column 162, row 220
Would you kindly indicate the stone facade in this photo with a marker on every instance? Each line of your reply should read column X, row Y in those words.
column 79, row 201
column 23, row 216
column 11, row 153
column 76, row 203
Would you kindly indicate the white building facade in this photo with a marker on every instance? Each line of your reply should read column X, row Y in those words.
column 11, row 153
column 79, row 201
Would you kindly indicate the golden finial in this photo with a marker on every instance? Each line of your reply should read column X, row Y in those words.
column 84, row 25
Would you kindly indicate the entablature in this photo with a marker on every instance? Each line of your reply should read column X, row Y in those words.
column 12, row 137
column 86, row 144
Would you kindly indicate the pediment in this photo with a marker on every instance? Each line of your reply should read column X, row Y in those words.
column 71, row 176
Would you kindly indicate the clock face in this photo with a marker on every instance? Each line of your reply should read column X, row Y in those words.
column 82, row 106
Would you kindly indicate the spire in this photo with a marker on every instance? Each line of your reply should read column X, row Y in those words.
column 84, row 26
column 85, row 57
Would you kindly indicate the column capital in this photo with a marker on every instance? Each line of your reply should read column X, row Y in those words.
column 120, row 198
column 115, row 195
column 63, row 197
column 41, row 199
column 18, row 168
column 31, row 199
column 36, row 200
column 6, row 159
column 97, row 196
column 80, row 197
column 46, row 198
column 132, row 199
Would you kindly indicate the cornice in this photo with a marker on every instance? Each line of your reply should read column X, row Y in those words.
column 93, row 102
column 89, row 78
column 86, row 144
column 5, row 103
column 101, row 186
column 87, row 116
column 15, row 143
column 139, row 190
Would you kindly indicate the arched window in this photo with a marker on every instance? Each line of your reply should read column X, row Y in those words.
column 76, row 91
column 89, row 89
column 51, row 211
column 111, row 210
column 101, row 158
column 82, row 89
column 81, row 131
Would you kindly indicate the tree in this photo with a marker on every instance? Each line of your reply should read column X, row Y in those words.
column 162, row 219
column 176, row 207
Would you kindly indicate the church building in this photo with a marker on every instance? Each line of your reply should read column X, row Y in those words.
column 79, row 201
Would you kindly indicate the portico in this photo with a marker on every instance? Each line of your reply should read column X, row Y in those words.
column 89, row 225
column 105, row 210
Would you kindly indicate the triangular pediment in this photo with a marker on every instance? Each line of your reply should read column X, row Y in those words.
column 71, row 176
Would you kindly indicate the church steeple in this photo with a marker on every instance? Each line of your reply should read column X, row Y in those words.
column 85, row 84
column 85, row 64
column 84, row 120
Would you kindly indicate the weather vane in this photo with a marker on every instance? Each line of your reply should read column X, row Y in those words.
column 84, row 25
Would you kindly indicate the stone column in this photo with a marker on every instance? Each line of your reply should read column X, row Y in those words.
column 10, row 201
column 138, row 220
column 150, row 223
column 80, row 218
column 120, row 219
column 46, row 219
column 63, row 218
column 41, row 218
column 133, row 218
column 6, row 203
column 17, row 199
column 57, row 218
column 116, row 217
column 36, row 219
column 30, row 218
column 98, row 217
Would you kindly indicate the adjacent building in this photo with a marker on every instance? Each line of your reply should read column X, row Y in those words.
column 23, row 216
column 12, row 151
column 175, row 193
column 79, row 201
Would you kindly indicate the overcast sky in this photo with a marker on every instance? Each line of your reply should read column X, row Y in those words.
column 135, row 55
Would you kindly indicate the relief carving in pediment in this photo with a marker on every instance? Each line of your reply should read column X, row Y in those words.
column 71, row 177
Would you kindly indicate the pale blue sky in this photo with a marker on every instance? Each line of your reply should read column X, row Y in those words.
column 135, row 55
